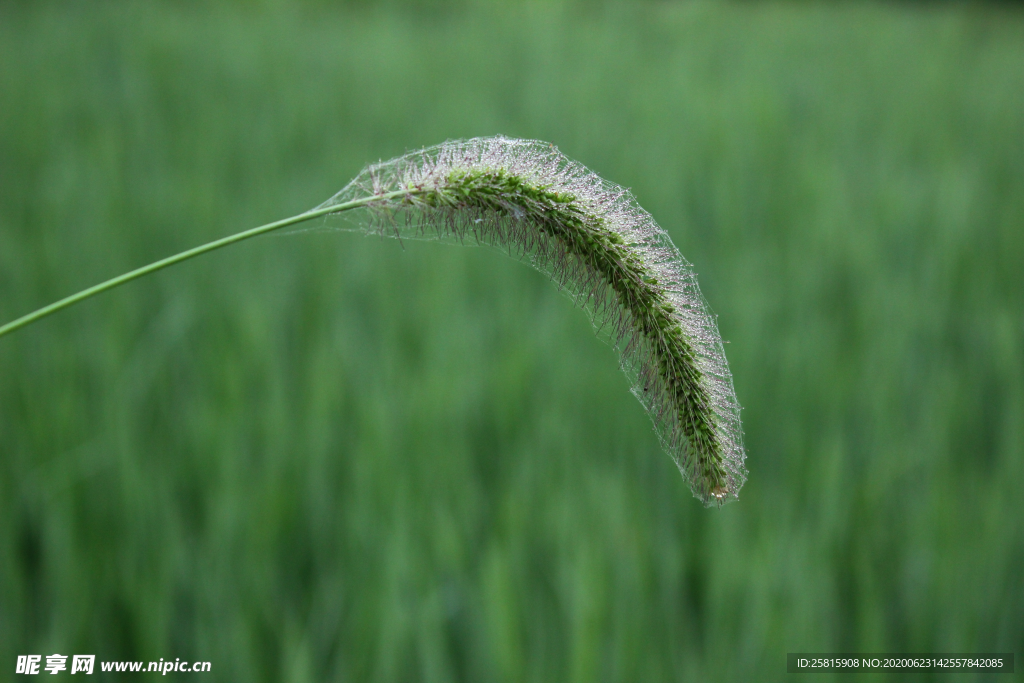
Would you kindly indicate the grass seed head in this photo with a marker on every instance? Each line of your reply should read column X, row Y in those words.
column 594, row 240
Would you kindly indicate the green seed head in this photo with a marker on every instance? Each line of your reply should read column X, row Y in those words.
column 594, row 239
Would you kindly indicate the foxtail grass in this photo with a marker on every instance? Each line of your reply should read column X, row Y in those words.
column 594, row 240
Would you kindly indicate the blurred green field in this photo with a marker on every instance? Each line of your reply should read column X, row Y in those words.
column 325, row 457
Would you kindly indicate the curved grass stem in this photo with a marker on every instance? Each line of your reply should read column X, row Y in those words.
column 591, row 237
column 25, row 320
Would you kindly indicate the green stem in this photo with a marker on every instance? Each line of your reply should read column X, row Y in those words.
column 186, row 255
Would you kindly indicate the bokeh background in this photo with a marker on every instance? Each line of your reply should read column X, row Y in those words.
column 327, row 457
